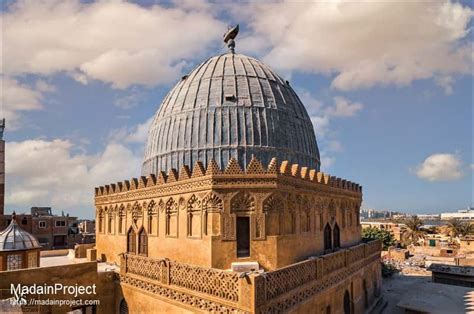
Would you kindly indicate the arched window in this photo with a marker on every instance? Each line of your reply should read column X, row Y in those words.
column 101, row 221
column 123, row 307
column 321, row 222
column 347, row 303
column 110, row 223
column 142, row 242
column 336, row 236
column 366, row 295
column 343, row 217
column 305, row 221
column 121, row 220
column 327, row 237
column 131, row 241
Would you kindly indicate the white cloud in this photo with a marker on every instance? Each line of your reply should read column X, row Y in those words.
column 365, row 43
column 327, row 162
column 134, row 134
column 446, row 82
column 334, row 146
column 132, row 99
column 440, row 167
column 16, row 97
column 343, row 108
column 49, row 173
column 117, row 42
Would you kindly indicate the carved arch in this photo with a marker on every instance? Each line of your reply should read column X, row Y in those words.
column 243, row 202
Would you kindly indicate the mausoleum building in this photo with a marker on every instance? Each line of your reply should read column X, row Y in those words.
column 231, row 177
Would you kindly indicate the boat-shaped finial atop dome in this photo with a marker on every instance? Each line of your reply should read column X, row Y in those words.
column 229, row 37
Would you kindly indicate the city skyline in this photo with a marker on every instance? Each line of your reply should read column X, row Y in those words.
column 396, row 121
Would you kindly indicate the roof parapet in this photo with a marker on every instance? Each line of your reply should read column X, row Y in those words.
column 254, row 167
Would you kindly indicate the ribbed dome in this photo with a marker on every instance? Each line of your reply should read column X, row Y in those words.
column 14, row 238
column 230, row 106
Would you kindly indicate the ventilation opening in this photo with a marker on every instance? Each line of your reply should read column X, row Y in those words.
column 123, row 307
column 229, row 97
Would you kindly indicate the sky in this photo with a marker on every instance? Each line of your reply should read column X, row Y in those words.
column 388, row 86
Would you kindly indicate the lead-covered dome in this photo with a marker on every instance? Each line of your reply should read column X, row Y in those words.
column 231, row 105
column 14, row 238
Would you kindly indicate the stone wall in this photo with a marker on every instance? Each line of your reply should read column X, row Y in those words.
column 74, row 274
column 191, row 216
column 302, row 287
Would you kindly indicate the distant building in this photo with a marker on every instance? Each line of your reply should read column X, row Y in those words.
column 52, row 231
column 429, row 216
column 463, row 214
column 398, row 230
column 376, row 214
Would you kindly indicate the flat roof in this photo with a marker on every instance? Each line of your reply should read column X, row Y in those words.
column 440, row 298
column 47, row 261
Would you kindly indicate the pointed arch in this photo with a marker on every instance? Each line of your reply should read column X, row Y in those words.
column 327, row 237
column 336, row 237
column 347, row 303
column 131, row 241
column 142, row 242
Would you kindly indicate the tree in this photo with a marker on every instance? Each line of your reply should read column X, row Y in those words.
column 414, row 228
column 372, row 233
column 457, row 228
column 467, row 228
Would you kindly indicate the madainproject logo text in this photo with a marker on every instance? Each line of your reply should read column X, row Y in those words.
column 20, row 291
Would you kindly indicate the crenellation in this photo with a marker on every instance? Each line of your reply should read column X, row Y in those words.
column 198, row 170
column 162, row 178
column 133, row 183
column 142, row 182
column 233, row 167
column 213, row 168
column 304, row 173
column 312, row 175
column 172, row 176
column 255, row 167
column 295, row 171
column 150, row 180
column 126, row 186
column 273, row 166
column 285, row 168
column 184, row 173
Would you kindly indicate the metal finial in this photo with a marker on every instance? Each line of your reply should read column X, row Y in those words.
column 229, row 37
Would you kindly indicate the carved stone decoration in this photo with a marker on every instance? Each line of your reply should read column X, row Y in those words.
column 171, row 218
column 121, row 211
column 243, row 202
column 273, row 203
column 332, row 210
column 212, row 203
column 259, row 223
column 228, row 227
column 181, row 203
column 194, row 221
column 161, row 206
column 137, row 212
column 152, row 209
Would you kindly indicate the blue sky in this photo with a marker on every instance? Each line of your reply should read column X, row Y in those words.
column 391, row 104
